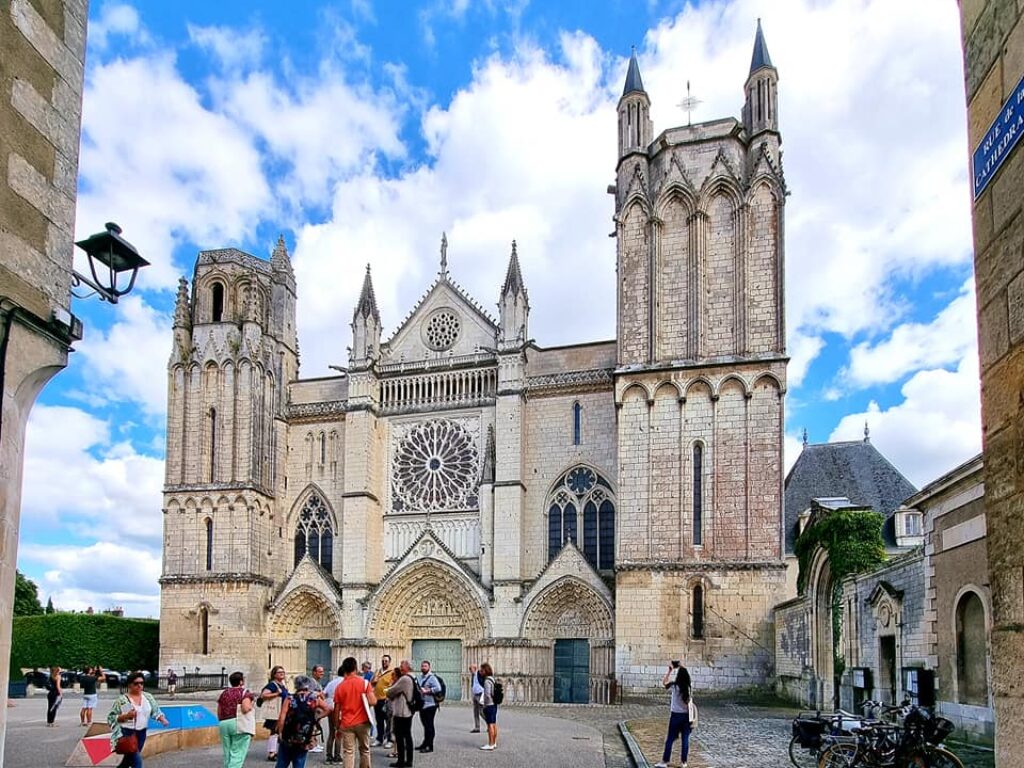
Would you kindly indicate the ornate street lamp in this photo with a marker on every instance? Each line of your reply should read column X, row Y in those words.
column 116, row 257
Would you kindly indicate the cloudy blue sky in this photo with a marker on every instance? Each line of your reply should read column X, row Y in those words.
column 362, row 129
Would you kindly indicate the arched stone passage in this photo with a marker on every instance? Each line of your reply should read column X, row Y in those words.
column 427, row 599
column 568, row 608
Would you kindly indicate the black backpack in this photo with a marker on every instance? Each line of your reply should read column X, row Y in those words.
column 439, row 697
column 499, row 693
column 416, row 702
column 299, row 724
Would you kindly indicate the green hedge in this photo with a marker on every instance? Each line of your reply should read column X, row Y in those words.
column 76, row 640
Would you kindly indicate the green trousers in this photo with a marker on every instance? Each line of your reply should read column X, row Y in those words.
column 236, row 745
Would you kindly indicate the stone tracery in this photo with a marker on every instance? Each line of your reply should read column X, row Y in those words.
column 435, row 467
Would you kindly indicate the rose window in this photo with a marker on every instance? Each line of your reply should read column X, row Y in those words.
column 436, row 467
column 442, row 330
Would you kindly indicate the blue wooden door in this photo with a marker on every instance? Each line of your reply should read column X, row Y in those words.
column 318, row 652
column 445, row 657
column 572, row 671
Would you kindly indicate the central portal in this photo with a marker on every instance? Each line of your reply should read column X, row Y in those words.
column 445, row 657
column 572, row 671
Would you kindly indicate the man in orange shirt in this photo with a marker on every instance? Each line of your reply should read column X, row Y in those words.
column 353, row 703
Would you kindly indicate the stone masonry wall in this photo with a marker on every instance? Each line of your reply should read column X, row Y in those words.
column 993, row 37
column 653, row 625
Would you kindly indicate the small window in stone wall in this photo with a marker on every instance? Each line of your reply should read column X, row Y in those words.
column 697, row 613
column 698, row 495
column 204, row 630
column 209, row 544
column 577, row 423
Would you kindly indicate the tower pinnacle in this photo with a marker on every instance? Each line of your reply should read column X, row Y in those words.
column 633, row 80
column 760, row 58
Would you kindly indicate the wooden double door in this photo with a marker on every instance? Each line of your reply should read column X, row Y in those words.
column 445, row 657
column 572, row 671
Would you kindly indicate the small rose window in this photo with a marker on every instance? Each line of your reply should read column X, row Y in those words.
column 442, row 330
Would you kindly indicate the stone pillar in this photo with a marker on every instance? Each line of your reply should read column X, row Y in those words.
column 993, row 40
column 40, row 126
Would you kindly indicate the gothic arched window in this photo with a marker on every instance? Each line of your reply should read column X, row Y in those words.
column 204, row 630
column 581, row 489
column 217, row 297
column 314, row 533
column 577, row 423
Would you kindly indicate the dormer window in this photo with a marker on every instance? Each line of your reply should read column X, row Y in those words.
column 909, row 524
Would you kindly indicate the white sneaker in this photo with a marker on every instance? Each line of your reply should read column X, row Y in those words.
column 317, row 748
column 661, row 765
column 487, row 747
column 388, row 744
column 379, row 743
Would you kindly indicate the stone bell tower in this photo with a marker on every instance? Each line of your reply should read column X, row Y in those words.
column 234, row 351
column 699, row 388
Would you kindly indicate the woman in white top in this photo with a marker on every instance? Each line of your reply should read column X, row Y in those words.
column 677, row 680
column 130, row 715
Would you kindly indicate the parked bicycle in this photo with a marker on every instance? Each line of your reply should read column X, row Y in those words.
column 914, row 743
column 813, row 731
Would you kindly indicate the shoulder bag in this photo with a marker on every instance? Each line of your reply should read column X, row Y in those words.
column 245, row 722
column 692, row 714
column 127, row 745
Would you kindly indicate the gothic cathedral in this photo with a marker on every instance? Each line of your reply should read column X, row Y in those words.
column 575, row 515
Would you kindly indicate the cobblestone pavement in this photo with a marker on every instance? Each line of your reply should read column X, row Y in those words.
column 738, row 734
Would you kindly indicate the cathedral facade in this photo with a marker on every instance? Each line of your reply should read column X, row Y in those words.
column 577, row 516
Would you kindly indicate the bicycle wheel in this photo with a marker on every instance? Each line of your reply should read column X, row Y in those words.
column 838, row 756
column 800, row 756
column 940, row 757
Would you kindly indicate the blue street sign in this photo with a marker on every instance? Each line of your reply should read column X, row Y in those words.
column 999, row 141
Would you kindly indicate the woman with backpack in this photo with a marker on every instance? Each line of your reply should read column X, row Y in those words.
column 271, row 699
column 490, row 703
column 296, row 726
column 677, row 680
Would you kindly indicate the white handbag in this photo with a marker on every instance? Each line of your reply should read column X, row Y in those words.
column 692, row 714
column 369, row 709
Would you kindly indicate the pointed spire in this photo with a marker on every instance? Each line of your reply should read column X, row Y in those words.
column 513, row 276
column 487, row 476
column 867, row 432
column 280, row 260
column 444, row 255
column 633, row 81
column 805, row 437
column 760, row 58
column 182, row 315
column 367, row 306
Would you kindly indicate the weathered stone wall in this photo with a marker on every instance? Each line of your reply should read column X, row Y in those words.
column 794, row 667
column 993, row 36
column 43, row 45
column 888, row 602
column 654, row 623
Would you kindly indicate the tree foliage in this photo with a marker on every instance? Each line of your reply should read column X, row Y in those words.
column 76, row 640
column 26, row 596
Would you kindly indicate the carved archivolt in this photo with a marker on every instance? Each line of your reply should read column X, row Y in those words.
column 569, row 609
column 303, row 610
column 427, row 599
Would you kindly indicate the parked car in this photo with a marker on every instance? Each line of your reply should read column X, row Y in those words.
column 69, row 677
column 37, row 678
column 112, row 677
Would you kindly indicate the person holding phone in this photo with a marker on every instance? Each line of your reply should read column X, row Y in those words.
column 131, row 714
column 677, row 680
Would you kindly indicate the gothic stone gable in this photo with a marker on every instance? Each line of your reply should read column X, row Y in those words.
column 569, row 600
column 446, row 323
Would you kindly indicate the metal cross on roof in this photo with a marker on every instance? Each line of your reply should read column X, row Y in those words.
column 689, row 104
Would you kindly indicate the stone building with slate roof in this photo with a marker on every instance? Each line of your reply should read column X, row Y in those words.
column 575, row 515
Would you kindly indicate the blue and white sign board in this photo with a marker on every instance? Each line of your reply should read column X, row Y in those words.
column 1000, row 139
column 186, row 717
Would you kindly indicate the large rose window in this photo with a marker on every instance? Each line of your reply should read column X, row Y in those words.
column 435, row 467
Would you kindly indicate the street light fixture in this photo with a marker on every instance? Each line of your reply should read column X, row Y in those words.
column 116, row 256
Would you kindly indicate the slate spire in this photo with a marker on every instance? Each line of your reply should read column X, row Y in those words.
column 760, row 59
column 633, row 80
column 367, row 306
